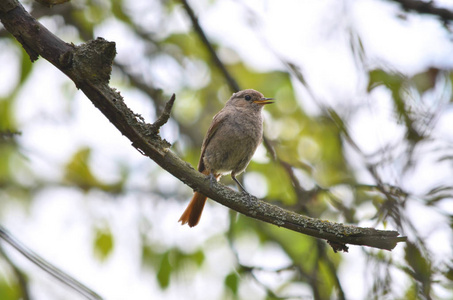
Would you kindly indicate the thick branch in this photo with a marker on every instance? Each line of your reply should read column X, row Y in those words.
column 75, row 61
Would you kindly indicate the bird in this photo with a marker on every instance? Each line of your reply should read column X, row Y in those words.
column 229, row 144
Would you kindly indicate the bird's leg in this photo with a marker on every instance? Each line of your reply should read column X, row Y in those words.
column 239, row 184
column 212, row 179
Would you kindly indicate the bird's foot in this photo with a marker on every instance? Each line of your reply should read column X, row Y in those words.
column 243, row 191
column 212, row 180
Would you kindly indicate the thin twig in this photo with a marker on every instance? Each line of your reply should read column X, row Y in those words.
column 164, row 116
column 234, row 86
column 425, row 7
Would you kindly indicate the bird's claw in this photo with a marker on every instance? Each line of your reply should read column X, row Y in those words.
column 245, row 192
column 212, row 180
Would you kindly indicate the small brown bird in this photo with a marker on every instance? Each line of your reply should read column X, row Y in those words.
column 231, row 140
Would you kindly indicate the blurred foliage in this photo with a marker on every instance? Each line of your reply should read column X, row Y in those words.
column 232, row 282
column 168, row 262
column 78, row 173
column 397, row 84
column 8, row 291
column 419, row 268
column 306, row 167
column 103, row 243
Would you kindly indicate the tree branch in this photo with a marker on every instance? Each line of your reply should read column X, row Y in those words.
column 88, row 66
column 165, row 115
column 425, row 7
column 234, row 86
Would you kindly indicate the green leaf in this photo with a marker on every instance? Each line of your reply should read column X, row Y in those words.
column 449, row 273
column 150, row 258
column 78, row 173
column 411, row 293
column 164, row 272
column 267, row 83
column 119, row 11
column 179, row 258
column 380, row 77
column 197, row 257
column 26, row 67
column 426, row 80
column 420, row 267
column 103, row 243
column 397, row 84
column 6, row 115
column 232, row 282
column 188, row 45
column 325, row 280
column 9, row 290
column 417, row 262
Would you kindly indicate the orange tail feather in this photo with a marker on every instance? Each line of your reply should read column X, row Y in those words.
column 193, row 211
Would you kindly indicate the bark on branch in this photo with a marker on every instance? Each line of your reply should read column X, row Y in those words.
column 89, row 66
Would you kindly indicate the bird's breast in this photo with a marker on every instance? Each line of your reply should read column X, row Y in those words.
column 233, row 144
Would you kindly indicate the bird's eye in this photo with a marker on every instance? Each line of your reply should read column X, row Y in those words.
column 247, row 97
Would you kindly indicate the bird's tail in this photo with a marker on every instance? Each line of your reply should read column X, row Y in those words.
column 193, row 211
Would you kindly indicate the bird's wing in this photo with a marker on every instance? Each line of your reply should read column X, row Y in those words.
column 217, row 122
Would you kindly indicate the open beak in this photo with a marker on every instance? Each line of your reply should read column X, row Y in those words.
column 264, row 101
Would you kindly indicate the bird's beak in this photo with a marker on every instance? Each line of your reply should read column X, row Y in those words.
column 264, row 101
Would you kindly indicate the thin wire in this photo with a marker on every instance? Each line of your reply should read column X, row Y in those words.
column 48, row 267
